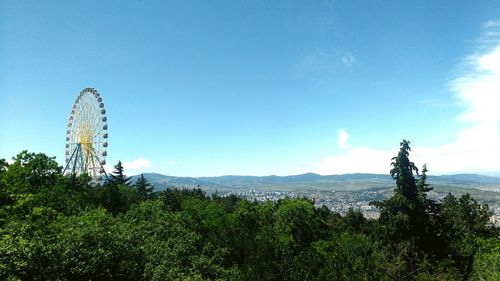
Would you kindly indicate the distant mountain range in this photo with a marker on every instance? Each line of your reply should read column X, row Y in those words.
column 311, row 181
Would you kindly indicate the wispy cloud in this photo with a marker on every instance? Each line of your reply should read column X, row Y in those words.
column 492, row 23
column 475, row 149
column 479, row 89
column 491, row 34
column 172, row 162
column 316, row 59
column 343, row 137
column 327, row 59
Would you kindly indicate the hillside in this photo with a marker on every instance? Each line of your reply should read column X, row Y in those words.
column 346, row 182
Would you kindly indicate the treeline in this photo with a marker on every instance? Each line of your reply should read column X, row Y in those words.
column 55, row 227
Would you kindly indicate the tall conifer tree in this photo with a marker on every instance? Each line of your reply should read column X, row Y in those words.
column 143, row 187
column 118, row 176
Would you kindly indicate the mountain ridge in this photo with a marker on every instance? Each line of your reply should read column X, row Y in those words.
column 310, row 181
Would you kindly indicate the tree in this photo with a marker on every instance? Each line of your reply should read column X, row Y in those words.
column 354, row 220
column 486, row 264
column 4, row 196
column 144, row 188
column 118, row 176
column 31, row 172
column 406, row 214
column 402, row 171
column 111, row 198
column 463, row 220
column 3, row 166
column 54, row 227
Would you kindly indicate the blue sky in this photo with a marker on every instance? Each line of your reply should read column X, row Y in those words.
column 204, row 88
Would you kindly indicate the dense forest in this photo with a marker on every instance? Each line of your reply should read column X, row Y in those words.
column 55, row 227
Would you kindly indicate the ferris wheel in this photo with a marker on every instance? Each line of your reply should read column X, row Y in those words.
column 87, row 136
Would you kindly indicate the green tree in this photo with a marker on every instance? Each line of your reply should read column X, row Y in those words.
column 486, row 264
column 3, row 166
column 31, row 172
column 406, row 213
column 54, row 228
column 111, row 199
column 350, row 257
column 354, row 220
column 462, row 221
column 405, row 218
column 396, row 212
column 118, row 176
column 243, row 225
column 4, row 196
column 295, row 223
column 402, row 171
column 173, row 196
column 144, row 188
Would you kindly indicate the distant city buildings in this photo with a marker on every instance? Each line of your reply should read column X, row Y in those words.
column 342, row 201
column 340, row 205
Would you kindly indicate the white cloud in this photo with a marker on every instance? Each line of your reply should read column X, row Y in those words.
column 492, row 23
column 172, row 162
column 138, row 165
column 357, row 160
column 479, row 90
column 343, row 137
column 475, row 149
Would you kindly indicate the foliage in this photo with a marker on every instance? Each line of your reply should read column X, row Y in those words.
column 118, row 176
column 143, row 187
column 67, row 228
column 486, row 264
column 407, row 215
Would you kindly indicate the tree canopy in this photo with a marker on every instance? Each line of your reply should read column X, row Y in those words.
column 54, row 227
